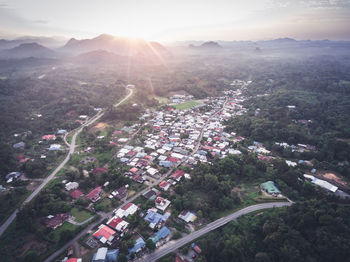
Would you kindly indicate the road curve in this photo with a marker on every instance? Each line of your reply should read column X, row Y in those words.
column 61, row 165
column 174, row 245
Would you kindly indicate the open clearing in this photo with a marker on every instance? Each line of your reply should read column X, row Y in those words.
column 186, row 105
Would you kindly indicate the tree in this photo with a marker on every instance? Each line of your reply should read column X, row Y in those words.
column 150, row 244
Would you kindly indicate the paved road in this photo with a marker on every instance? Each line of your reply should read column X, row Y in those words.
column 109, row 214
column 61, row 165
column 174, row 245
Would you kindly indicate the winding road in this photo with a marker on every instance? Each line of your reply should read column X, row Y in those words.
column 62, row 164
column 176, row 244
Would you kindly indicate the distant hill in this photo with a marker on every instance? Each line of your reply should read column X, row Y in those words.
column 28, row 50
column 119, row 46
column 207, row 45
column 50, row 42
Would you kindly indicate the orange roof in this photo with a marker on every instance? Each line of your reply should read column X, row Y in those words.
column 134, row 170
column 105, row 232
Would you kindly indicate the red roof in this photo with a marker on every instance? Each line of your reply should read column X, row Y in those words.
column 76, row 194
column 48, row 137
column 172, row 159
column 115, row 222
column 99, row 170
column 95, row 192
column 134, row 170
column 216, row 138
column 163, row 184
column 20, row 157
column 127, row 206
column 178, row 173
column 72, row 260
column 105, row 232
column 118, row 132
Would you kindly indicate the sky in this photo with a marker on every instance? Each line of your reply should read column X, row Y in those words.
column 177, row 20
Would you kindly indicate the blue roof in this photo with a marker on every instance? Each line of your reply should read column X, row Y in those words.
column 112, row 255
column 165, row 163
column 161, row 234
column 154, row 217
column 140, row 243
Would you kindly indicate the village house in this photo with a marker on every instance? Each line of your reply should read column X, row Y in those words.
column 162, row 203
column 105, row 234
column 125, row 211
column 95, row 194
column 155, row 219
column 55, row 221
column 187, row 216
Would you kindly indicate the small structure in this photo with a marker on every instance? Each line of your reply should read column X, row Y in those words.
column 125, row 211
column 162, row 233
column 104, row 234
column 187, row 216
column 95, row 194
column 196, row 248
column 55, row 147
column 139, row 245
column 270, row 188
column 71, row 186
column 118, row 224
column 76, row 194
column 155, row 219
column 162, row 203
column 55, row 221
column 19, row 145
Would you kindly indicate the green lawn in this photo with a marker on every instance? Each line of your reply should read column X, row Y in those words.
column 80, row 215
column 186, row 105
column 55, row 235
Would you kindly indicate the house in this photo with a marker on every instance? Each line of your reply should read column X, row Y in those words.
column 138, row 179
column 99, row 170
column 125, row 211
column 13, row 175
column 155, row 219
column 162, row 203
column 139, row 245
column 71, row 186
column 76, row 194
column 19, row 145
column 322, row 183
column 104, row 234
column 95, row 194
column 48, row 137
column 187, row 216
column 105, row 255
column 54, row 147
column 55, row 221
column 164, row 185
column 177, row 175
column 121, row 193
column 61, row 132
column 152, row 171
column 162, row 233
column 151, row 194
column 196, row 248
column 270, row 188
column 118, row 224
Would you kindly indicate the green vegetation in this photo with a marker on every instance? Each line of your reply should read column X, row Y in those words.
column 186, row 105
column 80, row 215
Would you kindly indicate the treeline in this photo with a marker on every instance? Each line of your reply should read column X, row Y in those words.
column 306, row 231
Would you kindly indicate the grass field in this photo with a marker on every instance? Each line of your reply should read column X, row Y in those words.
column 186, row 105
column 55, row 235
column 80, row 215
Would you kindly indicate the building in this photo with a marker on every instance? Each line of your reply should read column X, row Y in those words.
column 121, row 193
column 177, row 175
column 162, row 203
column 95, row 194
column 104, row 234
column 270, row 188
column 55, row 221
column 162, row 233
column 164, row 185
column 125, row 211
column 322, row 183
column 139, row 245
column 71, row 186
column 118, row 224
column 196, row 248
column 76, row 194
column 155, row 219
column 105, row 255
column 55, row 147
column 187, row 216
column 19, row 145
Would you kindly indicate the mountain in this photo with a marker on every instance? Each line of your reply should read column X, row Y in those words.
column 119, row 46
column 51, row 42
column 28, row 50
column 210, row 45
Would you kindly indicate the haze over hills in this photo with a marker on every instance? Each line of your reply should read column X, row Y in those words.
column 28, row 50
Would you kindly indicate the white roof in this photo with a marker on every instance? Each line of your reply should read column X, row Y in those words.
column 101, row 252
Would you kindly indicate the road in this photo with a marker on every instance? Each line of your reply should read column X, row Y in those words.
column 61, row 165
column 176, row 244
column 107, row 215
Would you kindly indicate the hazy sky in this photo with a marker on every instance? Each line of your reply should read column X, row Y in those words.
column 170, row 20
